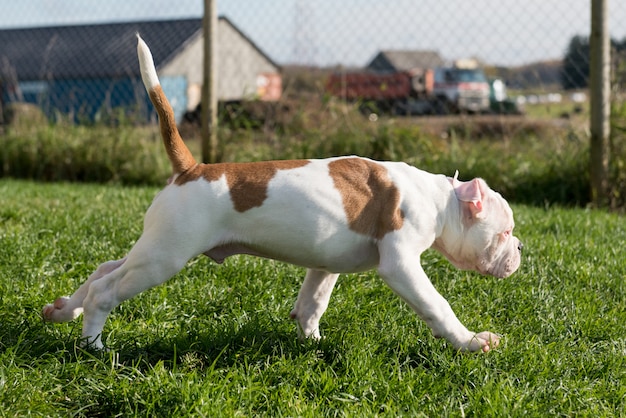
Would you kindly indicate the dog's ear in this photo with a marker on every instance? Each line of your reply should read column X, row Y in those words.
column 470, row 193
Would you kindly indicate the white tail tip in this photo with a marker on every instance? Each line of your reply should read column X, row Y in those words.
column 146, row 65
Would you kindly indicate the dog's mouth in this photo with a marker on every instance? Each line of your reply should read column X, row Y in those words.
column 503, row 273
column 500, row 269
column 501, row 266
column 507, row 264
column 498, row 274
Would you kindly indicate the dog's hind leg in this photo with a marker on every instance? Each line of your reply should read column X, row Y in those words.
column 147, row 265
column 312, row 301
column 65, row 308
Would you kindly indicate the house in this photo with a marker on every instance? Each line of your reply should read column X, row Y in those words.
column 405, row 61
column 87, row 71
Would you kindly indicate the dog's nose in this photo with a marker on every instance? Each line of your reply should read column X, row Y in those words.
column 520, row 246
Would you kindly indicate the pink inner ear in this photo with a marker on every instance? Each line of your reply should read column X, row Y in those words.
column 469, row 192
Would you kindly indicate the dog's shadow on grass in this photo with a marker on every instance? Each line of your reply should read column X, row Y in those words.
column 30, row 338
column 256, row 343
column 253, row 341
column 217, row 347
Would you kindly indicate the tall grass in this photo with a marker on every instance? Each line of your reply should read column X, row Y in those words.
column 528, row 161
column 123, row 154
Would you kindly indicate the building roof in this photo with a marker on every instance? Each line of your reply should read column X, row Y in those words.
column 93, row 51
column 405, row 60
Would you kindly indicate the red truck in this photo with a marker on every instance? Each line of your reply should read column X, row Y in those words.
column 460, row 88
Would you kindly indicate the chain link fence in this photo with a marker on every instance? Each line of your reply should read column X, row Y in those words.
column 406, row 59
column 538, row 49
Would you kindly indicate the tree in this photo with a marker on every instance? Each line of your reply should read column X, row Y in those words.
column 575, row 72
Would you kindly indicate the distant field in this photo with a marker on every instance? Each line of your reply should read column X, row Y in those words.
column 217, row 341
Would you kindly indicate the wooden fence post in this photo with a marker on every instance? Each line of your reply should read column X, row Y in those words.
column 600, row 106
column 209, row 84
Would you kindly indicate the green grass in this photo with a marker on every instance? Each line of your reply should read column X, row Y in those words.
column 217, row 341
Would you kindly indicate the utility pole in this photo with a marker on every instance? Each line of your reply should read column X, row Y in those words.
column 209, row 84
column 600, row 89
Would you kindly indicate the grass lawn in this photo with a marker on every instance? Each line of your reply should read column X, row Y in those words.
column 217, row 341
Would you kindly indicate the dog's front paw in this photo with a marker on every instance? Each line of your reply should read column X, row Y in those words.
column 59, row 311
column 483, row 341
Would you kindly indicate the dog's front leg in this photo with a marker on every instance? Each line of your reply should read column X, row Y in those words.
column 400, row 268
column 312, row 302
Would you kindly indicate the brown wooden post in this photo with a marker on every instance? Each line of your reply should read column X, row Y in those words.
column 209, row 84
column 600, row 106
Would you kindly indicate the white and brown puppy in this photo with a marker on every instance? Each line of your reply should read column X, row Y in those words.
column 332, row 216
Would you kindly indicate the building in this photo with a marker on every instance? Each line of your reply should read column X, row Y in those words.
column 89, row 71
column 405, row 61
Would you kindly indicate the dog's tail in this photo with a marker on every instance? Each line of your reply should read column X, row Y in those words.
column 177, row 151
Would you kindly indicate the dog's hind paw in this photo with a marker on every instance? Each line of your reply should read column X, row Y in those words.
column 59, row 311
column 484, row 341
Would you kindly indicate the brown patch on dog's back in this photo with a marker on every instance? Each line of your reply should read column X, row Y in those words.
column 370, row 199
column 247, row 181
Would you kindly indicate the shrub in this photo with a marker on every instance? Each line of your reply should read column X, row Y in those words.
column 528, row 162
column 79, row 153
